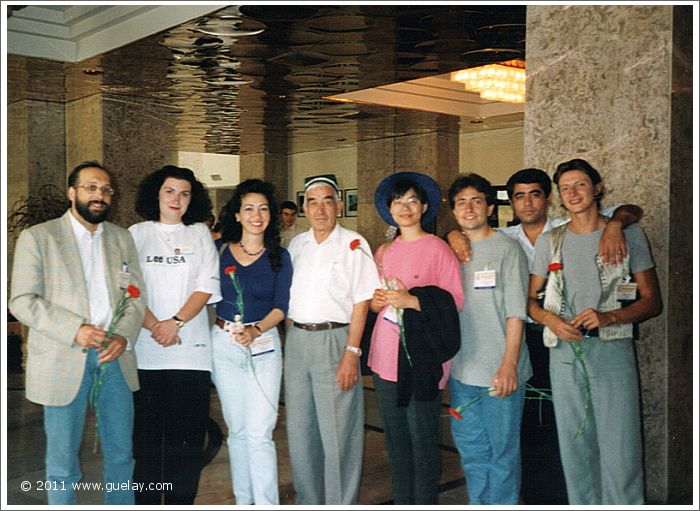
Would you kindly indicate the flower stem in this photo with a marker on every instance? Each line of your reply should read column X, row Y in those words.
column 402, row 336
column 580, row 365
column 579, row 362
column 240, row 305
column 249, row 357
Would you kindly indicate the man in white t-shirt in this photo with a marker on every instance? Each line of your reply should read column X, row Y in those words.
column 329, row 297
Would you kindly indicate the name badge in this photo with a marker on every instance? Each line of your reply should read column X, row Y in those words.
column 264, row 343
column 485, row 279
column 626, row 291
column 124, row 277
column 391, row 315
column 184, row 250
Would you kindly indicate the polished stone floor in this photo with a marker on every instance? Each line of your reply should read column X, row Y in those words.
column 25, row 451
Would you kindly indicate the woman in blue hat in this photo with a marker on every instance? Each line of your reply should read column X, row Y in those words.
column 415, row 335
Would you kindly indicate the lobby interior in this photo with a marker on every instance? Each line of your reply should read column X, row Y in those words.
column 242, row 91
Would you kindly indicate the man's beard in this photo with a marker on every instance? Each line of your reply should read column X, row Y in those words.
column 83, row 209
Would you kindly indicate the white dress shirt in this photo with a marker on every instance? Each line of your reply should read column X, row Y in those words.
column 93, row 262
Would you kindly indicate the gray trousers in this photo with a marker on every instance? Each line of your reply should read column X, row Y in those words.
column 325, row 426
column 604, row 464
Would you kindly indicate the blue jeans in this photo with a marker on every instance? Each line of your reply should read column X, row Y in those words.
column 247, row 404
column 488, row 440
column 64, row 431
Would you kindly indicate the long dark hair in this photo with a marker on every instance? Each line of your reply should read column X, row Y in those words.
column 232, row 228
column 148, row 207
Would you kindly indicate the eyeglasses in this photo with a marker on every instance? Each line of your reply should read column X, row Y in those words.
column 411, row 202
column 93, row 188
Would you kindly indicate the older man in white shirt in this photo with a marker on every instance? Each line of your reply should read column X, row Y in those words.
column 331, row 289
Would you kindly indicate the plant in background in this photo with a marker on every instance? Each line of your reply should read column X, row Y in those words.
column 47, row 204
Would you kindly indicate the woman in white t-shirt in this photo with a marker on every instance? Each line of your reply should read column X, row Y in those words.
column 173, row 350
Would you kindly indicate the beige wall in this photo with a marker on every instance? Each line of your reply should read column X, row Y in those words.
column 341, row 162
column 493, row 154
column 482, row 153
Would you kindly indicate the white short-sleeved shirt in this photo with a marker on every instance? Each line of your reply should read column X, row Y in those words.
column 176, row 261
column 330, row 278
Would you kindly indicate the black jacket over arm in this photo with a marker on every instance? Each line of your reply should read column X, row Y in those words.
column 432, row 337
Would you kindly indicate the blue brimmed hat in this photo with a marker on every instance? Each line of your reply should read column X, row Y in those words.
column 385, row 188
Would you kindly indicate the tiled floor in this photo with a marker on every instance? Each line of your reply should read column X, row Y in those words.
column 25, row 446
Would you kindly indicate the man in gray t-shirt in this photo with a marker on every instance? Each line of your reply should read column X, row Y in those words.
column 593, row 370
column 492, row 365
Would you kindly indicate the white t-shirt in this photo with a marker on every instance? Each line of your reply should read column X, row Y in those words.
column 176, row 261
column 330, row 278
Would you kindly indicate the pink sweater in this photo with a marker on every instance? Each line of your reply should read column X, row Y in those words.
column 427, row 261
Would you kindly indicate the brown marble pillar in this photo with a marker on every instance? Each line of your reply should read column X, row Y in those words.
column 599, row 88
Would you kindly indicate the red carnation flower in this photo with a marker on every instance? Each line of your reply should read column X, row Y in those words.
column 455, row 414
column 355, row 244
column 133, row 291
column 230, row 269
column 555, row 266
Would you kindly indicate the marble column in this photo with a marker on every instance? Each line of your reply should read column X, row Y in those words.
column 599, row 88
column 139, row 138
column 35, row 133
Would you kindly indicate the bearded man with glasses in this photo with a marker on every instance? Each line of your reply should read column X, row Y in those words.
column 68, row 275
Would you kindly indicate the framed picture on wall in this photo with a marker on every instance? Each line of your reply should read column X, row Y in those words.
column 351, row 202
column 300, row 203
column 502, row 215
column 340, row 197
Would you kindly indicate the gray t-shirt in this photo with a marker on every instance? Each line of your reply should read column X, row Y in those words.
column 578, row 254
column 483, row 317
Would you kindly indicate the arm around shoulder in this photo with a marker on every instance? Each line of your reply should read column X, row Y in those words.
column 628, row 214
column 648, row 306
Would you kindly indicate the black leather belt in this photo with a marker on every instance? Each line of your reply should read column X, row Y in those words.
column 314, row 327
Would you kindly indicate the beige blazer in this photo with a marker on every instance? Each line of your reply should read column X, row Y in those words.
column 49, row 295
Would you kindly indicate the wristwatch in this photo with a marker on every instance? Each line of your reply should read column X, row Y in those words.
column 353, row 349
column 179, row 322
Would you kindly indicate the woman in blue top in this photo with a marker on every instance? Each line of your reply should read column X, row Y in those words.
column 256, row 274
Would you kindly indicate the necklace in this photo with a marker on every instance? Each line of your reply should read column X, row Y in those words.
column 251, row 254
